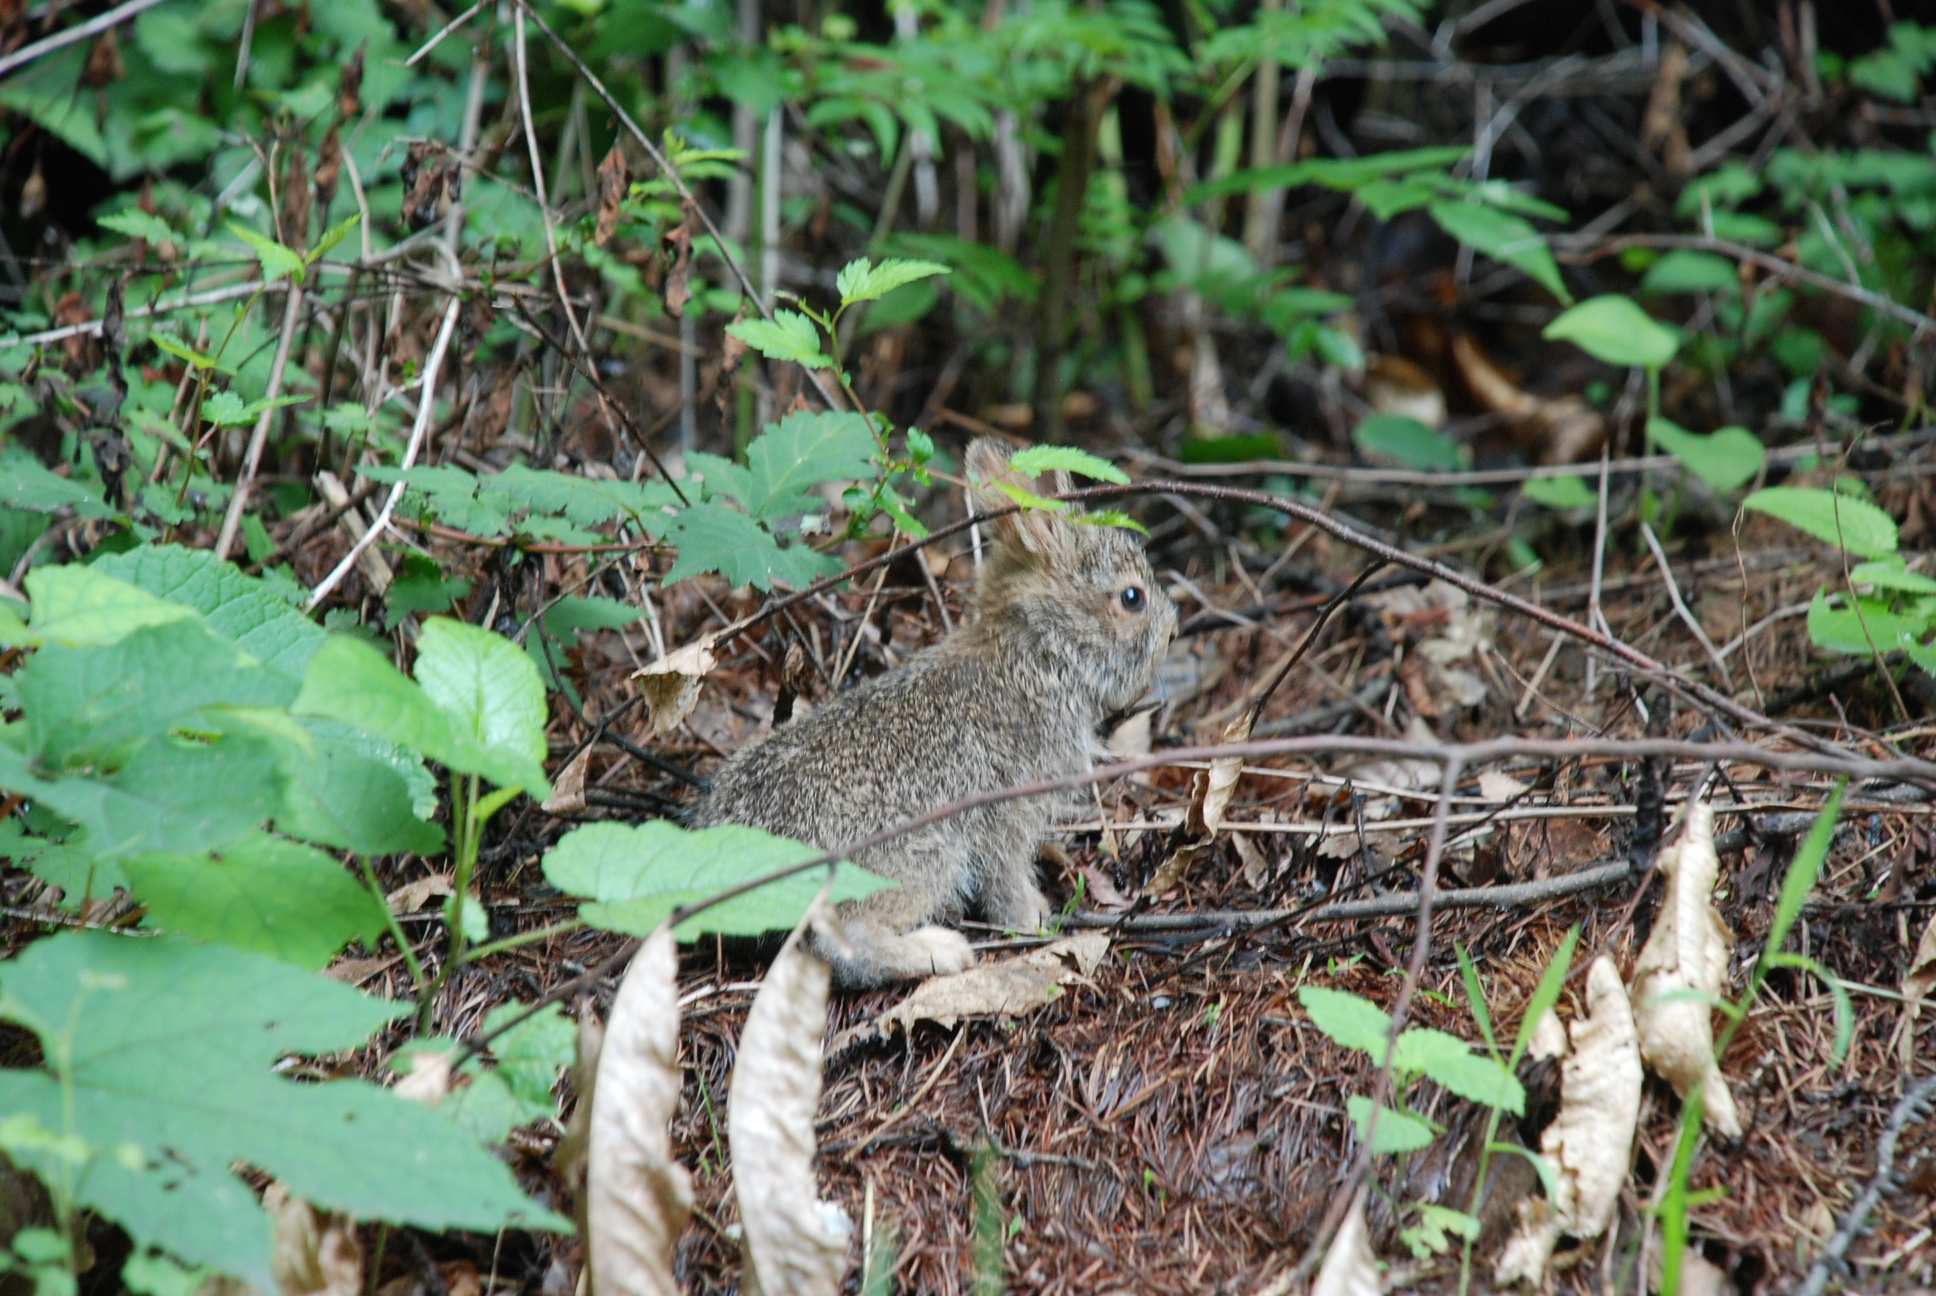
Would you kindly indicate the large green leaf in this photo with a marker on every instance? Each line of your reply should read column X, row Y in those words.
column 1503, row 237
column 79, row 605
column 801, row 451
column 26, row 483
column 1614, row 331
column 1724, row 459
column 712, row 537
column 167, row 1048
column 1396, row 1132
column 264, row 894
column 355, row 791
column 1037, row 460
column 1868, row 627
column 89, row 705
column 237, row 607
column 638, row 875
column 1831, row 517
column 350, row 682
column 486, row 687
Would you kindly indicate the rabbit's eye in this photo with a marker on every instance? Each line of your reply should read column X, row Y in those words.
column 1133, row 598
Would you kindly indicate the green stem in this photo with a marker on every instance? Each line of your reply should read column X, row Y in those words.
column 396, row 928
column 465, row 827
column 477, row 952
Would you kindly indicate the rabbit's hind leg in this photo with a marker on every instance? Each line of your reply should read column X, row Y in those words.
column 1010, row 896
column 879, row 955
column 893, row 934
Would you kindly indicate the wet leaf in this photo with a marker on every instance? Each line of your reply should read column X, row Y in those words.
column 1002, row 988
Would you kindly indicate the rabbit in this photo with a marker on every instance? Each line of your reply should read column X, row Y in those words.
column 1069, row 625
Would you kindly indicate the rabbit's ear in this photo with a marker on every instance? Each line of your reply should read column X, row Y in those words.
column 1034, row 530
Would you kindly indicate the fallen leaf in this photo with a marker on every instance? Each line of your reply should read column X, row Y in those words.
column 678, row 282
column 671, row 686
column 1524, row 1257
column 1556, row 431
column 1549, row 1038
column 568, row 788
column 614, row 180
column 1350, row 1268
column 1686, row 952
column 1100, row 891
column 412, row 896
column 1917, row 983
column 795, row 1243
column 637, row 1195
column 1002, row 988
column 1210, row 794
column 1591, row 1140
column 1257, row 869
column 1131, row 738
column 429, row 1079
column 1395, row 385
column 316, row 1252
column 570, row 1159
column 1497, row 786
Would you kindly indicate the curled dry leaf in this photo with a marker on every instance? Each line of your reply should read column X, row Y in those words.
column 637, row 1197
column 1210, row 793
column 1917, row 984
column 569, row 1160
column 1496, row 785
column 796, row 1244
column 568, row 789
column 412, row 896
column 1002, row 988
column 1523, row 1258
column 316, row 1252
column 671, row 686
column 1686, row 959
column 1549, row 1038
column 613, row 181
column 1591, row 1139
column 1556, row 431
column 1350, row 1268
column 429, row 1079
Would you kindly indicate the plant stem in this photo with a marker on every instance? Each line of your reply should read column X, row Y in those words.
column 396, row 928
column 1078, row 160
column 477, row 952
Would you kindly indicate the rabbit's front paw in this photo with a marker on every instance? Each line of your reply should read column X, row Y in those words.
column 937, row 951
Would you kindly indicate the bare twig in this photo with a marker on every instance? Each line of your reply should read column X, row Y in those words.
column 232, row 520
column 80, row 32
column 1913, row 1107
column 1680, row 605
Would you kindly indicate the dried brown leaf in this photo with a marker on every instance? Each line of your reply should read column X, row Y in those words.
column 316, row 1252
column 412, row 896
column 678, row 282
column 568, row 789
column 795, row 1243
column 1395, row 385
column 1523, row 1258
column 1917, row 983
column 614, row 181
column 637, row 1195
column 1591, row 1139
column 429, row 1079
column 570, row 1159
column 1555, row 430
column 1350, row 1268
column 671, row 687
column 1004, row 987
column 1686, row 952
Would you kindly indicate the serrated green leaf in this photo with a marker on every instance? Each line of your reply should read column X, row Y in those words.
column 1396, row 1132
column 168, row 1046
column 262, row 894
column 801, row 451
column 26, row 483
column 1614, row 331
column 714, row 538
column 78, row 605
column 1892, row 573
column 861, row 281
column 354, row 791
column 275, row 259
column 136, row 223
column 1503, row 237
column 487, row 688
column 332, row 236
column 1447, row 1061
column 1110, row 518
column 531, row 1054
column 636, row 876
column 788, row 336
column 1567, row 492
column 1030, row 500
column 165, row 343
column 1829, row 516
column 1352, row 1021
column 238, row 607
column 1724, row 459
column 224, row 409
column 1036, row 460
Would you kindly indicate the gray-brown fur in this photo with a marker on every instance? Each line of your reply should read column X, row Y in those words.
column 1013, row 697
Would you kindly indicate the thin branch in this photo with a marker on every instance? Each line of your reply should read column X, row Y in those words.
column 232, row 520
column 1680, row 605
column 61, row 39
column 1913, row 1107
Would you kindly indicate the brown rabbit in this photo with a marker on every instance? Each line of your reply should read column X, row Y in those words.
column 1069, row 626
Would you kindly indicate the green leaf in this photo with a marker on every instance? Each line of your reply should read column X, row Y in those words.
column 169, row 1047
column 715, row 538
column 1396, row 1132
column 165, row 343
column 354, row 791
column 262, row 894
column 1475, row 996
column 1867, row 627
column 136, row 223
column 1503, row 237
column 276, row 259
column 26, row 483
column 531, row 1054
column 1683, row 271
column 1354, row 1022
column 860, row 281
column 225, row 408
column 1892, row 573
column 1724, row 459
column 1036, row 460
column 801, row 451
column 1566, row 492
column 1447, row 1061
column 1110, row 518
column 488, row 690
column 1833, row 518
column 788, row 336
column 1404, row 439
column 1030, row 500
column 78, row 605
column 332, row 236
column 1614, row 331
column 240, row 608
column 638, row 875
column 350, row 682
